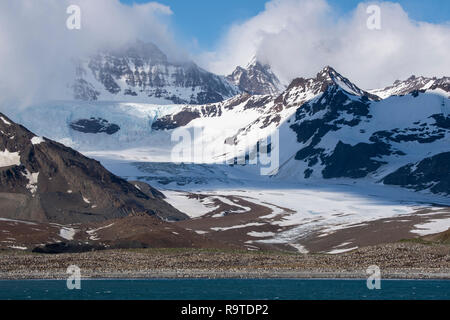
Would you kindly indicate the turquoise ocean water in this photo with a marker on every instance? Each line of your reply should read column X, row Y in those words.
column 225, row 289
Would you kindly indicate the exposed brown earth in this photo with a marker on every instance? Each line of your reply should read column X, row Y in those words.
column 235, row 225
column 443, row 237
column 232, row 224
column 131, row 232
column 220, row 253
column 371, row 233
column 49, row 182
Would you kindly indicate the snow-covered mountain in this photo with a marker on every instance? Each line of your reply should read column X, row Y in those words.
column 142, row 72
column 343, row 135
column 328, row 128
column 413, row 85
column 256, row 79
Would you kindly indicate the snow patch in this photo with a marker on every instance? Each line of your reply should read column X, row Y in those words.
column 67, row 233
column 432, row 227
column 5, row 121
column 8, row 159
column 299, row 248
column 194, row 208
column 200, row 232
column 338, row 251
column 93, row 232
column 261, row 234
column 32, row 180
column 37, row 140
column 18, row 247
column 17, row 221
column 256, row 224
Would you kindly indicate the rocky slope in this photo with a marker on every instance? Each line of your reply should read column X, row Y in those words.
column 431, row 173
column 414, row 85
column 143, row 231
column 256, row 79
column 142, row 72
column 41, row 180
column 347, row 133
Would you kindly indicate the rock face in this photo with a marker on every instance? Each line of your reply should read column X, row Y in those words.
column 327, row 77
column 337, row 111
column 41, row 180
column 431, row 173
column 414, row 85
column 142, row 72
column 94, row 125
column 256, row 79
column 346, row 132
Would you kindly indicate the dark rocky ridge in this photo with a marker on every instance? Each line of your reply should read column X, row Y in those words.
column 325, row 78
column 190, row 113
column 301, row 90
column 431, row 173
column 256, row 79
column 54, row 183
column 346, row 160
column 177, row 120
column 83, row 90
column 414, row 85
column 147, row 73
column 337, row 111
column 94, row 125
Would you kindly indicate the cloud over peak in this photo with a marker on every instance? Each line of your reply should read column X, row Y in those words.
column 296, row 37
column 299, row 37
column 37, row 49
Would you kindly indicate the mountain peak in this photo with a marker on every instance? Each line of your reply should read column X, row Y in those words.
column 141, row 72
column 413, row 84
column 252, row 63
column 256, row 78
column 327, row 72
column 144, row 50
column 327, row 77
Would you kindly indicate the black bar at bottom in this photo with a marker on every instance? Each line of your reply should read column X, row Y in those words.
column 236, row 310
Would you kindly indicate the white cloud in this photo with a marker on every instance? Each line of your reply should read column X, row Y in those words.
column 36, row 48
column 299, row 37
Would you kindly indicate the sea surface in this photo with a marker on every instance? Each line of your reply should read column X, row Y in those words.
column 225, row 289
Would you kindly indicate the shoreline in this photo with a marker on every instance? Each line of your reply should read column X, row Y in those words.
column 404, row 274
column 215, row 275
column 405, row 260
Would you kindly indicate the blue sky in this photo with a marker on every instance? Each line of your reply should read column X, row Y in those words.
column 205, row 21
